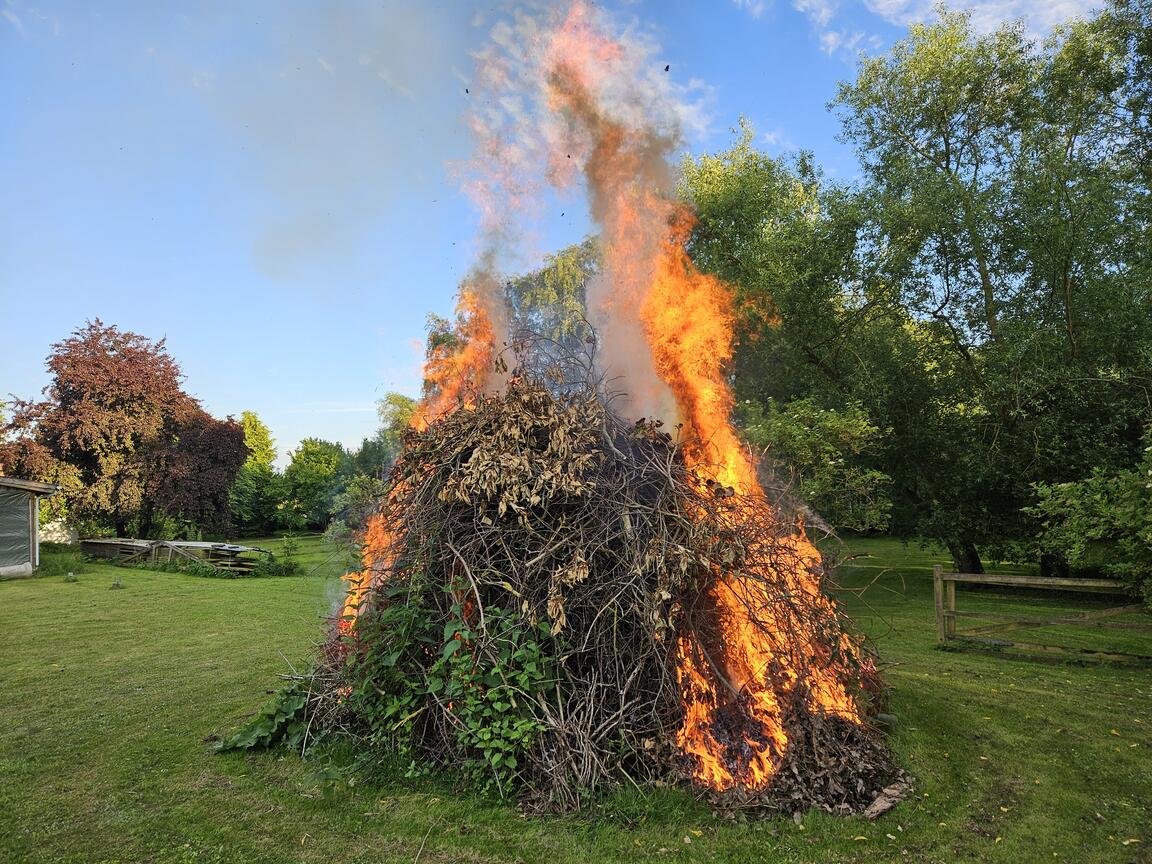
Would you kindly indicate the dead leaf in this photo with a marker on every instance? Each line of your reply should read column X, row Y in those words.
column 888, row 798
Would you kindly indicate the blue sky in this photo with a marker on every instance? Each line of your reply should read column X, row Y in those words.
column 270, row 185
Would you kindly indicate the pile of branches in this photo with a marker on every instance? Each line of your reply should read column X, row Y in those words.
column 536, row 567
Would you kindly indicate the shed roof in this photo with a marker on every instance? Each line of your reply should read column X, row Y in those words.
column 29, row 486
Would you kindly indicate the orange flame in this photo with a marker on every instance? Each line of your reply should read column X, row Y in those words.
column 377, row 552
column 455, row 373
column 734, row 720
column 737, row 689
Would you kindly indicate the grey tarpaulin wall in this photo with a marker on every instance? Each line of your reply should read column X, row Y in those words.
column 15, row 528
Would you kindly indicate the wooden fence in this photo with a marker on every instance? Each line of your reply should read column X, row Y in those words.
column 225, row 556
column 992, row 635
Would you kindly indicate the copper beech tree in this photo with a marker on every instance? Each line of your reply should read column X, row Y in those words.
column 130, row 449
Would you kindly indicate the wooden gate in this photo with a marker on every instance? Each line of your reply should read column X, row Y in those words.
column 996, row 635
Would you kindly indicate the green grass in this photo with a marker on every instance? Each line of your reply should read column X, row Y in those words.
column 106, row 698
column 315, row 556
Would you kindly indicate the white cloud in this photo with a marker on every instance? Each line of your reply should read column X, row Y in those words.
column 778, row 138
column 755, row 8
column 844, row 43
column 836, row 41
column 1039, row 16
column 819, row 12
column 14, row 20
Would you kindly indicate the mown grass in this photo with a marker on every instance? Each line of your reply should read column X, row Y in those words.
column 106, row 698
column 315, row 556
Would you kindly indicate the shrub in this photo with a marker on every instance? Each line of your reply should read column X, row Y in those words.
column 60, row 559
column 1103, row 523
column 821, row 454
column 271, row 566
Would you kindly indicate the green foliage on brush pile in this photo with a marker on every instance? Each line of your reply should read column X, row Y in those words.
column 394, row 683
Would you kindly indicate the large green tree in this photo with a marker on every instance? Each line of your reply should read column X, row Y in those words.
column 1006, row 207
column 314, row 478
column 983, row 292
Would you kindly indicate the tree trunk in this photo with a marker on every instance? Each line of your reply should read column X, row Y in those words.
column 1054, row 566
column 965, row 557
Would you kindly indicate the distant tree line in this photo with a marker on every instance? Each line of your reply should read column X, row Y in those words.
column 136, row 456
column 323, row 483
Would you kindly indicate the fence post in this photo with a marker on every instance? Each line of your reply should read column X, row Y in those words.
column 950, row 608
column 938, row 590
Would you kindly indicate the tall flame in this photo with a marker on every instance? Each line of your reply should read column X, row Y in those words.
column 734, row 723
column 738, row 688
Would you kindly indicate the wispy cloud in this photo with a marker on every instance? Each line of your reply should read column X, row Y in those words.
column 1039, row 16
column 386, row 75
column 778, row 138
column 844, row 43
column 755, row 8
column 819, row 12
column 13, row 19
column 836, row 40
column 21, row 17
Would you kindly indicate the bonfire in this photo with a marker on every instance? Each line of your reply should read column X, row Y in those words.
column 558, row 602
column 575, row 580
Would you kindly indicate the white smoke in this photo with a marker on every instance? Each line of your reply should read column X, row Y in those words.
column 616, row 140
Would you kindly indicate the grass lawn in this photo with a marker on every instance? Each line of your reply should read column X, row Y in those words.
column 106, row 698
